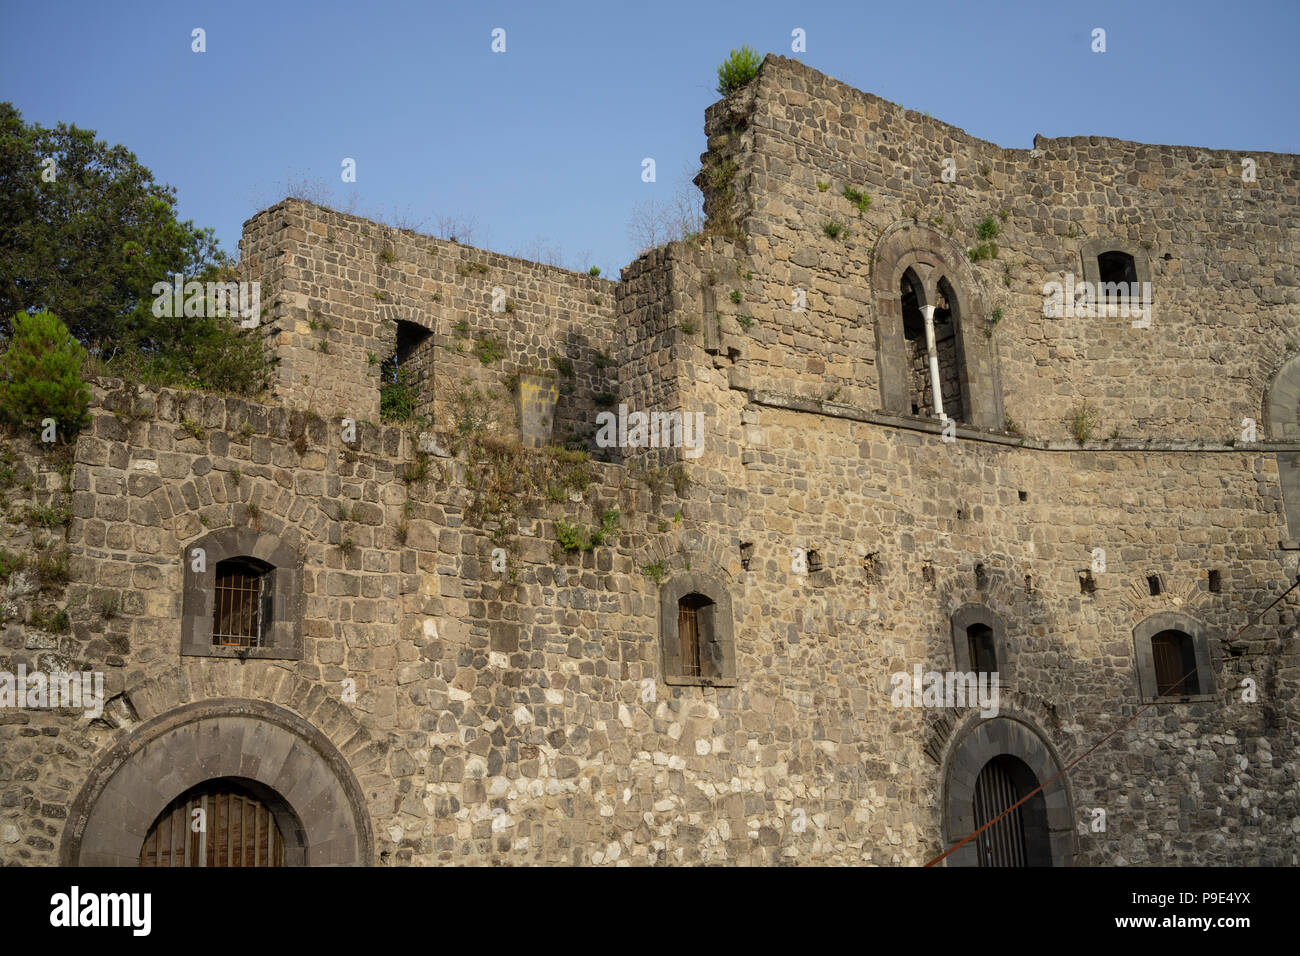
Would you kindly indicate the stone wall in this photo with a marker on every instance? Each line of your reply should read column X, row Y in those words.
column 1200, row 367
column 343, row 283
column 475, row 696
column 522, row 713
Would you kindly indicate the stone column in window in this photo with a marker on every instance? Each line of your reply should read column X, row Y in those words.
column 927, row 312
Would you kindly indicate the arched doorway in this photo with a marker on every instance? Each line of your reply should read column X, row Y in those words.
column 990, row 766
column 225, row 822
column 271, row 754
column 1020, row 838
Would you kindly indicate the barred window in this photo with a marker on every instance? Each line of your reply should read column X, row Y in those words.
column 242, row 605
column 243, row 596
column 693, row 632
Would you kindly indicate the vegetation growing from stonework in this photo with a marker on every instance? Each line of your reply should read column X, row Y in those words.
column 504, row 477
column 10, row 563
column 576, row 537
column 85, row 233
column 1084, row 422
column 397, row 392
column 489, row 349
column 738, row 69
column 656, row 571
column 986, row 230
column 859, row 199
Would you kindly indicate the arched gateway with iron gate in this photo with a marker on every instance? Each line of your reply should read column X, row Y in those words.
column 269, row 788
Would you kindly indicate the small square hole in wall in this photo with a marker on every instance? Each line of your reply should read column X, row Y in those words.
column 814, row 560
column 1153, row 584
column 981, row 577
column 1087, row 584
column 1029, row 583
column 871, row 567
column 1216, row 582
column 746, row 554
column 1024, row 496
column 927, row 573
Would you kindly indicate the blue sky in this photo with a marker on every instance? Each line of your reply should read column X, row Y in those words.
column 542, row 145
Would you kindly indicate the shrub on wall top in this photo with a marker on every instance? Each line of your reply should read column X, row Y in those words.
column 40, row 375
column 738, row 69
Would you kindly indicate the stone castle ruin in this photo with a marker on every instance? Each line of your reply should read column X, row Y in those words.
column 490, row 637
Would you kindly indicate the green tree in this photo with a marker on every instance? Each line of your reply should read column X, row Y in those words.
column 40, row 375
column 738, row 69
column 86, row 232
column 89, row 235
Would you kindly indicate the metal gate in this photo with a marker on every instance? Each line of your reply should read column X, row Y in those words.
column 231, row 828
column 1002, row 844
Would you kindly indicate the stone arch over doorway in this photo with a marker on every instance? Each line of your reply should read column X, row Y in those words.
column 972, row 751
column 916, row 257
column 252, row 740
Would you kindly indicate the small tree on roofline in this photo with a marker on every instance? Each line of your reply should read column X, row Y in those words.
column 738, row 69
column 40, row 375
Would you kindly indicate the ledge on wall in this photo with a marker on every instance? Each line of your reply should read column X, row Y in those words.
column 858, row 414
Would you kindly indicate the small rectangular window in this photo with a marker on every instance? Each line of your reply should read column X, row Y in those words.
column 688, row 636
column 1175, row 661
column 241, row 604
column 1115, row 266
column 983, row 657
